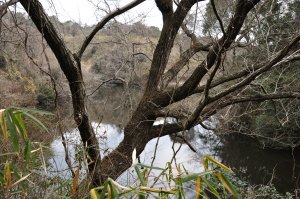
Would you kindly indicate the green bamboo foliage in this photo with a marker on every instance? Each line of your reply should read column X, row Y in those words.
column 211, row 182
column 12, row 126
column 13, row 129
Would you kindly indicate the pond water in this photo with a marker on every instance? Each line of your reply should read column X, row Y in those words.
column 248, row 161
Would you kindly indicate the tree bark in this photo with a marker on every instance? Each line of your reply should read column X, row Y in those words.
column 71, row 67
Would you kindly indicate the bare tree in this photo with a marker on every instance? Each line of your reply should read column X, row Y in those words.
column 158, row 96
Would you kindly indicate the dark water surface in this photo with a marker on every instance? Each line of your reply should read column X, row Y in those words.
column 247, row 160
column 242, row 154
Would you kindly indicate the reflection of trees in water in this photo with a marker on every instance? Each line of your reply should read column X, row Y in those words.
column 184, row 136
column 113, row 104
column 258, row 166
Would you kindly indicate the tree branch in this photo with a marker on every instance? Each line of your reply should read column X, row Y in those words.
column 5, row 5
column 252, row 76
column 53, row 38
column 102, row 23
column 213, row 108
column 183, row 60
column 218, row 17
column 241, row 11
column 165, row 43
column 165, row 7
column 244, row 72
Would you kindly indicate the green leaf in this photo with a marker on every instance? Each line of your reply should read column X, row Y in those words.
column 18, row 126
column 140, row 176
column 211, row 188
column 21, row 126
column 105, row 189
column 205, row 163
column 219, row 164
column 33, row 110
column 198, row 187
column 7, row 175
column 114, row 193
column 94, row 194
column 3, row 124
column 35, row 120
column 149, row 167
column 226, row 183
column 12, row 130
column 27, row 151
column 194, row 176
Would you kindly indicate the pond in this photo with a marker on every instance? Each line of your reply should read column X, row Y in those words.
column 110, row 109
column 242, row 154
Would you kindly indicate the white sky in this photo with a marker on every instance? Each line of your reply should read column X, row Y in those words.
column 85, row 12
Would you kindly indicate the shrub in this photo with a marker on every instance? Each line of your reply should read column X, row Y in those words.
column 46, row 97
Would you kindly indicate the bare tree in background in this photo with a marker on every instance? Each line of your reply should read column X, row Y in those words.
column 203, row 83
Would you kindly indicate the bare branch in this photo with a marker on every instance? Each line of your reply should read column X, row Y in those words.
column 183, row 60
column 253, row 75
column 213, row 108
column 190, row 34
column 244, row 72
column 5, row 5
column 103, row 22
column 218, row 17
column 53, row 38
column 241, row 11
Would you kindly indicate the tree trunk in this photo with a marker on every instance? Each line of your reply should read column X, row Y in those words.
column 71, row 67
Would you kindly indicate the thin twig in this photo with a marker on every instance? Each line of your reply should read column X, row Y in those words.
column 103, row 22
column 218, row 17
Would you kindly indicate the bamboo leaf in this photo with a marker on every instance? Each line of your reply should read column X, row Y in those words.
column 198, row 187
column 211, row 188
column 35, row 120
column 109, row 195
column 170, row 172
column 27, row 151
column 33, row 110
column 12, row 129
column 148, row 189
column 21, row 126
column 16, row 123
column 226, row 183
column 149, row 167
column 178, row 169
column 219, row 164
column 7, row 175
column 140, row 176
column 105, row 190
column 205, row 163
column 3, row 124
column 195, row 176
column 94, row 194
column 113, row 190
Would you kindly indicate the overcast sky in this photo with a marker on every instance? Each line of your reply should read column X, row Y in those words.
column 85, row 12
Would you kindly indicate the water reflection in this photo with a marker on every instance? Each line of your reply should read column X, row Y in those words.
column 251, row 163
column 260, row 166
column 110, row 135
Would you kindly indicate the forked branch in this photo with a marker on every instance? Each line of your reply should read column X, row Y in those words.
column 103, row 22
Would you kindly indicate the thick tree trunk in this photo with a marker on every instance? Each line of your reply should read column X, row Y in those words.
column 136, row 136
column 71, row 67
